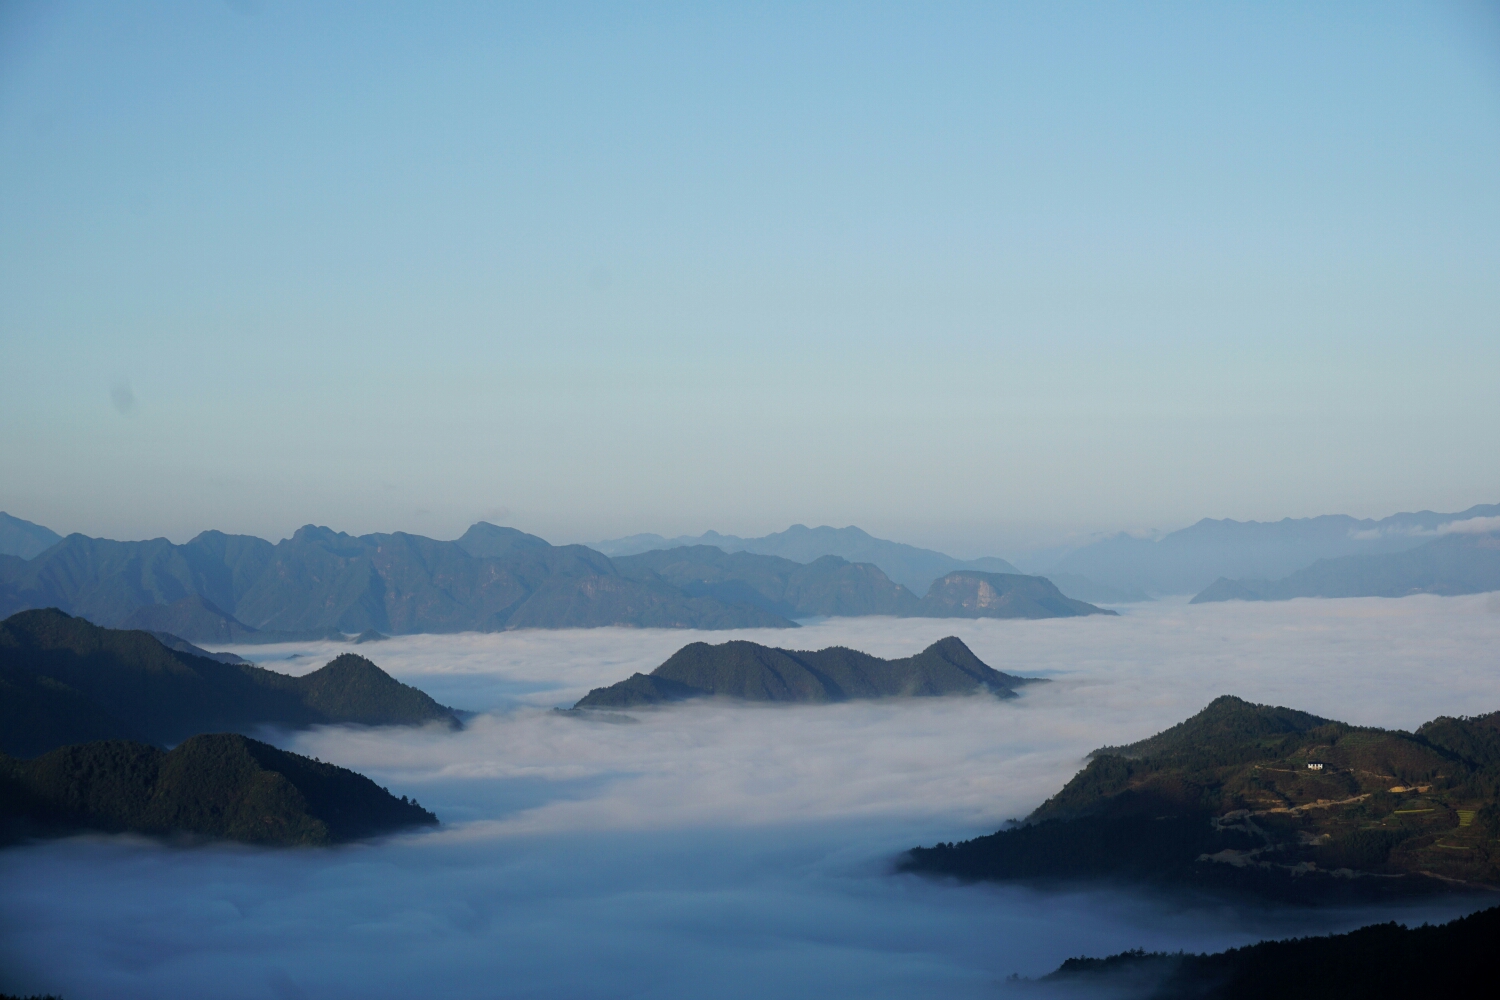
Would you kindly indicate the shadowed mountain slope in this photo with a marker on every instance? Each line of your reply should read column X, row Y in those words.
column 826, row 586
column 1227, row 722
column 23, row 539
column 221, row 785
column 1455, row 564
column 1269, row 800
column 999, row 595
column 194, row 615
column 198, row 617
column 181, row 645
column 64, row 680
column 752, row 672
column 1380, row 960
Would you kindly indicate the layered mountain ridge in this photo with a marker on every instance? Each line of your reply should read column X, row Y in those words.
column 1188, row 560
column 321, row 584
column 912, row 567
column 1457, row 563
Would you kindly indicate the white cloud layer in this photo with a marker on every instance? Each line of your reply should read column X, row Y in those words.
column 1468, row 526
column 1473, row 526
column 718, row 849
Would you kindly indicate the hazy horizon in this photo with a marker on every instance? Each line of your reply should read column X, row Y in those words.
column 1021, row 543
column 972, row 278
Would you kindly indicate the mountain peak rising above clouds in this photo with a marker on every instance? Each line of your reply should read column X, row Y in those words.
column 749, row 671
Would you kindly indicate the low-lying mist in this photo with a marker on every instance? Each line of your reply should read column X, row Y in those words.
column 720, row 849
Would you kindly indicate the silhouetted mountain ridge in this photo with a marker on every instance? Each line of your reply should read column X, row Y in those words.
column 1379, row 960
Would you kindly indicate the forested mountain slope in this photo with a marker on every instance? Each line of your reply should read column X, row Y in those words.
column 64, row 680
column 1381, row 960
column 752, row 672
column 221, row 785
column 1268, row 799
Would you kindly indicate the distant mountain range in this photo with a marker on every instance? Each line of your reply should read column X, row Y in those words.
column 1268, row 800
column 1457, row 563
column 1115, row 570
column 323, row 585
column 219, row 785
column 826, row 586
column 913, row 568
column 749, row 671
column 833, row 587
column 64, row 681
column 1187, row 561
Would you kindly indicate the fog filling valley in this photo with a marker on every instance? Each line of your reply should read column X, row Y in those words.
column 721, row 849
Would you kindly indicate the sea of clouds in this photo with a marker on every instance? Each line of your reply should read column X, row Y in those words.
column 721, row 849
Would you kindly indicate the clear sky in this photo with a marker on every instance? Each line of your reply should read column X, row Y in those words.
column 974, row 276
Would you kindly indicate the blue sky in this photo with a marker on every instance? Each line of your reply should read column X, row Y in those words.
column 974, row 276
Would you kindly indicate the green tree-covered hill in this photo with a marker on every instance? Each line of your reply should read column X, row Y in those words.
column 1381, row 960
column 752, row 672
column 63, row 681
column 220, row 785
column 1269, row 799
